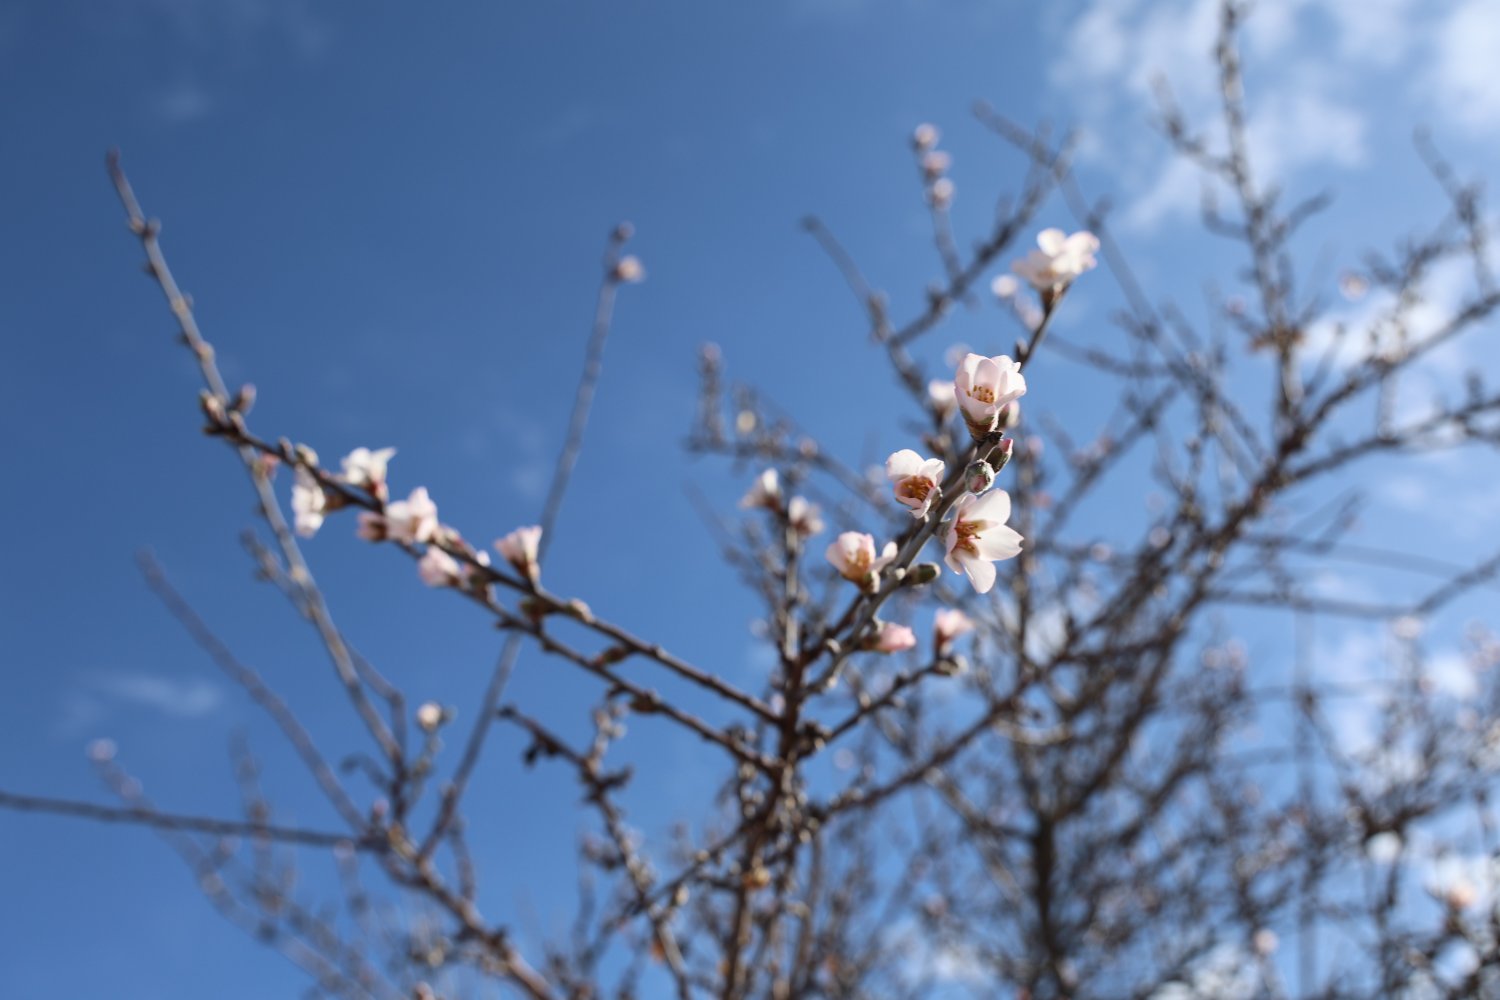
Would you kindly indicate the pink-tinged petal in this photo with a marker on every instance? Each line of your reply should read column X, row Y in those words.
column 981, row 574
column 999, row 541
column 992, row 508
column 887, row 556
column 903, row 463
column 933, row 469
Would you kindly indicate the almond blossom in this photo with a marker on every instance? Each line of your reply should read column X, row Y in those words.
column 430, row 716
column 947, row 625
column 940, row 394
column 984, row 386
column 978, row 535
column 804, row 517
column 916, row 480
column 411, row 520
column 765, row 492
column 309, row 503
column 1058, row 260
column 365, row 469
column 891, row 638
column 521, row 548
column 853, row 555
column 438, row 569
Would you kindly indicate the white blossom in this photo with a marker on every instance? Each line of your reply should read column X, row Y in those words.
column 1058, row 259
column 978, row 535
column 947, row 625
column 984, row 386
column 365, row 469
column 438, row 569
column 916, row 480
column 764, row 492
column 521, row 548
column 853, row 555
column 804, row 516
column 413, row 519
column 309, row 503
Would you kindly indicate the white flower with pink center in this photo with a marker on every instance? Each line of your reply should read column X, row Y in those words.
column 521, row 548
column 916, row 480
column 365, row 469
column 985, row 386
column 309, row 503
column 853, row 555
column 978, row 535
column 411, row 520
column 1058, row 259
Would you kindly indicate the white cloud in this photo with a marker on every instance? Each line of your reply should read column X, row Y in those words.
column 1462, row 65
column 100, row 696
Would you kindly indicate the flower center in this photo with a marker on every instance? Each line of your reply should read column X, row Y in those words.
column 983, row 393
column 967, row 532
column 914, row 488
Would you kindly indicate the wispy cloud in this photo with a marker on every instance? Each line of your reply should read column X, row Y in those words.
column 101, row 696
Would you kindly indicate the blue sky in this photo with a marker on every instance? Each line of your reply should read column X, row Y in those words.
column 391, row 223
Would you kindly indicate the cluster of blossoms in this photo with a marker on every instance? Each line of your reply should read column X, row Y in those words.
column 972, row 526
column 935, row 163
column 410, row 522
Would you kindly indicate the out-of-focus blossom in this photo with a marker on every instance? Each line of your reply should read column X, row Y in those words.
column 853, row 555
column 916, row 480
column 947, row 625
column 1265, row 942
column 437, row 568
column 941, row 192
column 309, row 503
column 1058, row 259
column 1384, row 847
column 935, row 163
column 365, row 469
column 978, row 535
column 1005, row 286
column 764, row 492
column 430, row 716
column 521, row 548
column 892, row 638
column 412, row 520
column 1353, row 286
column 804, row 516
column 940, row 394
column 372, row 527
column 924, row 136
column 984, row 386
column 629, row 269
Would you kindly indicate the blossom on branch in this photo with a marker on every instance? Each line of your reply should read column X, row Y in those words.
column 947, row 625
column 521, row 548
column 411, row 520
column 766, row 492
column 309, row 503
column 853, row 555
column 438, row 569
column 978, row 535
column 365, row 469
column 891, row 638
column 985, row 386
column 916, row 480
column 1058, row 260
column 804, row 517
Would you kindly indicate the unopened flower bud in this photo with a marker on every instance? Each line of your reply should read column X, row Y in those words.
column 979, row 476
column 1002, row 453
column 212, row 407
column 244, row 400
column 924, row 136
column 922, row 573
